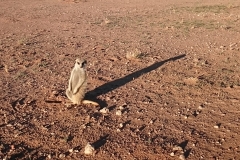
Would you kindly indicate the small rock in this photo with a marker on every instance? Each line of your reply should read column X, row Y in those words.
column 222, row 47
column 121, row 125
column 70, row 150
column 62, row 155
column 182, row 157
column 12, row 147
column 104, row 110
column 172, row 154
column 89, row 149
column 83, row 126
column 5, row 158
column 121, row 107
column 118, row 112
column 177, row 148
column 216, row 126
column 223, row 114
column 49, row 156
column 200, row 107
column 55, row 93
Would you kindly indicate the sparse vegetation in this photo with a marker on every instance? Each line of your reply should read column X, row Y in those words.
column 211, row 8
column 21, row 75
column 135, row 54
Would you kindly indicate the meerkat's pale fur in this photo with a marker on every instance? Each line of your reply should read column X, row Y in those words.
column 78, row 83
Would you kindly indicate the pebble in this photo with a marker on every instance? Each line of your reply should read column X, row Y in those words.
column 216, row 126
column 12, row 147
column 177, row 148
column 104, row 110
column 61, row 155
column 49, row 156
column 221, row 47
column 89, row 149
column 118, row 112
column 182, row 157
column 200, row 107
column 121, row 125
column 121, row 107
column 55, row 93
column 172, row 154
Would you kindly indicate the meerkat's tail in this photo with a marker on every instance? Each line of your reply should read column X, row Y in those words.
column 90, row 102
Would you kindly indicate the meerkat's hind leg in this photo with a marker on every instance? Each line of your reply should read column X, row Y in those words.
column 90, row 102
column 69, row 95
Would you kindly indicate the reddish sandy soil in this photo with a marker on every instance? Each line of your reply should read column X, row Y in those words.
column 172, row 68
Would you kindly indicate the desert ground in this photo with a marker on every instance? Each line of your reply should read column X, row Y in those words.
column 165, row 73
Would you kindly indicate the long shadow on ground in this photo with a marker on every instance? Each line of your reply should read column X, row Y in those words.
column 107, row 87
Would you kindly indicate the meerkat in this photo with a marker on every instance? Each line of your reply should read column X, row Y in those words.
column 78, row 83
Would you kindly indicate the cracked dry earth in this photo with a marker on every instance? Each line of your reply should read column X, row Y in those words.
column 166, row 75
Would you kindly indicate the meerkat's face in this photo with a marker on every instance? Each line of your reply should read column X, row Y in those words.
column 80, row 63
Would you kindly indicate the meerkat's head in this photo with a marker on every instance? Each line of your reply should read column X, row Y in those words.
column 80, row 63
